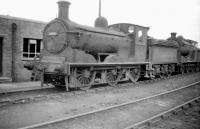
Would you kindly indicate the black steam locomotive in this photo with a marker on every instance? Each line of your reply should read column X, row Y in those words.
column 81, row 56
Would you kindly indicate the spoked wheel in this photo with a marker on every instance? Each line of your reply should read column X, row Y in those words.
column 156, row 72
column 112, row 78
column 134, row 74
column 85, row 79
column 162, row 73
column 197, row 69
column 182, row 69
column 187, row 69
column 193, row 69
column 169, row 71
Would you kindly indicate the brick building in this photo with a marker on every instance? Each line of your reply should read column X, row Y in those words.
column 20, row 41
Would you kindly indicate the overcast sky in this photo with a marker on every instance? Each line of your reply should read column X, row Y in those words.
column 162, row 16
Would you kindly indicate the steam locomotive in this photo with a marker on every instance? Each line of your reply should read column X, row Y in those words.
column 77, row 56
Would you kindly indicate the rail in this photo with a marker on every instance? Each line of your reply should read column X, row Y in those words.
column 76, row 117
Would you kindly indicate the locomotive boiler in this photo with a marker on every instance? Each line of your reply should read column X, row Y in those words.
column 80, row 56
column 61, row 33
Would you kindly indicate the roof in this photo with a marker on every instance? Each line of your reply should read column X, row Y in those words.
column 129, row 24
column 21, row 19
column 97, row 29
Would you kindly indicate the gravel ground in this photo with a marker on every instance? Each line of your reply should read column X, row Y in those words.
column 185, row 119
column 20, row 115
column 123, row 116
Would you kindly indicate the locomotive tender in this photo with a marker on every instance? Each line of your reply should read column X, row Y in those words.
column 81, row 56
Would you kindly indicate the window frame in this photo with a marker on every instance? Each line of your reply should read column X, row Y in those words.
column 31, row 41
column 140, row 37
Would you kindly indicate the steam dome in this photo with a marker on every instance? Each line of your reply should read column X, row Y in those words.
column 101, row 22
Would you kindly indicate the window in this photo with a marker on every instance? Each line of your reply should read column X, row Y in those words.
column 131, row 29
column 140, row 35
column 31, row 48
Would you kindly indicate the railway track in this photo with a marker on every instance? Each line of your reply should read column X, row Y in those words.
column 128, row 115
column 28, row 95
column 150, row 121
column 186, row 117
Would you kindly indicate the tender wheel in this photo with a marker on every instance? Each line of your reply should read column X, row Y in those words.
column 170, row 71
column 197, row 69
column 112, row 78
column 182, row 69
column 193, row 69
column 162, row 72
column 187, row 69
column 156, row 71
column 134, row 74
column 85, row 79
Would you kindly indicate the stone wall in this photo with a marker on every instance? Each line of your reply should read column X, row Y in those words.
column 25, row 29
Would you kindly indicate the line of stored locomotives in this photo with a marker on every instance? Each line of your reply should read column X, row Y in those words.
column 81, row 56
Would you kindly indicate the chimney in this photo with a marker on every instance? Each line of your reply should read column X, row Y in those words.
column 63, row 10
column 173, row 35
